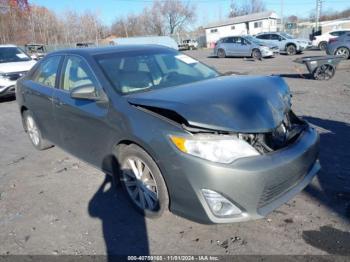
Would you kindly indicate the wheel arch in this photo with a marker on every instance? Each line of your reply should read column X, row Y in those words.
column 111, row 164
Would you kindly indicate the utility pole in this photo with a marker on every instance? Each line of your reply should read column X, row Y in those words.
column 282, row 20
column 318, row 14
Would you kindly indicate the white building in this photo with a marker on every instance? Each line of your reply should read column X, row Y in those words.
column 241, row 25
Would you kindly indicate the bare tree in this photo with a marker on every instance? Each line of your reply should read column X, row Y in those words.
column 248, row 7
column 176, row 14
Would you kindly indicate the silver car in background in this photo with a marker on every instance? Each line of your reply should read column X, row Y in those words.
column 286, row 43
column 339, row 46
column 243, row 46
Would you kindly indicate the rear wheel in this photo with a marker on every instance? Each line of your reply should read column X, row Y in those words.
column 343, row 51
column 143, row 181
column 221, row 53
column 322, row 45
column 291, row 50
column 256, row 54
column 324, row 72
column 34, row 132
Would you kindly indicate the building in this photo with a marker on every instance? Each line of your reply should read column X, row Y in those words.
column 251, row 24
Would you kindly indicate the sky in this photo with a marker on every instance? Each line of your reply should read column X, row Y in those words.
column 207, row 10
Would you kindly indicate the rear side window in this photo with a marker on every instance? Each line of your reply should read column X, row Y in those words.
column 265, row 36
column 77, row 74
column 336, row 33
column 275, row 37
column 46, row 73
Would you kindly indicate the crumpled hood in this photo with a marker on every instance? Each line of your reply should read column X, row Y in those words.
column 235, row 104
column 16, row 66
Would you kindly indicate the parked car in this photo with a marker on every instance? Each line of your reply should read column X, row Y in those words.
column 188, row 44
column 242, row 46
column 285, row 42
column 14, row 63
column 36, row 51
column 339, row 46
column 176, row 134
column 322, row 40
column 85, row 44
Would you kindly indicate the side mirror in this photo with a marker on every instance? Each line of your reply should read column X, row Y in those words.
column 87, row 92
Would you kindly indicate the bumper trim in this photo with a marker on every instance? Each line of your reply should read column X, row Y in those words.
column 263, row 211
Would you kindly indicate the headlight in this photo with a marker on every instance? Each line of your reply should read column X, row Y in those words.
column 264, row 48
column 214, row 148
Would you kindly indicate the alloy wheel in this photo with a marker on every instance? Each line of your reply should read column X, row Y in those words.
column 343, row 51
column 140, row 183
column 32, row 130
column 324, row 72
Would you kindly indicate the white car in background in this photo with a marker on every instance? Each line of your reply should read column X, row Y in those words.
column 321, row 41
column 14, row 63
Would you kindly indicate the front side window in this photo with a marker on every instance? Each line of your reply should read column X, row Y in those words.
column 77, row 74
column 46, row 72
column 135, row 72
column 275, row 37
column 12, row 54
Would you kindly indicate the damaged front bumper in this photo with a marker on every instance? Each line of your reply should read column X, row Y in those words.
column 256, row 185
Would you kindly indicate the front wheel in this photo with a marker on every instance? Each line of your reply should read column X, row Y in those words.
column 143, row 181
column 34, row 132
column 256, row 54
column 343, row 51
column 291, row 50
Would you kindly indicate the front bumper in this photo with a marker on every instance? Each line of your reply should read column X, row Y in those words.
column 256, row 185
column 9, row 90
column 267, row 53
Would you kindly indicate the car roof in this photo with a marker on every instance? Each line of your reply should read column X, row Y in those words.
column 91, row 51
column 7, row 46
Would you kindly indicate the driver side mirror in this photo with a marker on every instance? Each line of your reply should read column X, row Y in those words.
column 86, row 92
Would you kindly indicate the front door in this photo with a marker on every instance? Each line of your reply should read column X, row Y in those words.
column 82, row 123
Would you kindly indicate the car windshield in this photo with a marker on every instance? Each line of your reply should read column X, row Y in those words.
column 12, row 54
column 286, row 35
column 254, row 40
column 142, row 71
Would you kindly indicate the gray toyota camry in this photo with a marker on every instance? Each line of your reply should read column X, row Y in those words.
column 175, row 133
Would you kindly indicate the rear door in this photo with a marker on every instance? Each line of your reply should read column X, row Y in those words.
column 39, row 91
column 81, row 122
column 242, row 46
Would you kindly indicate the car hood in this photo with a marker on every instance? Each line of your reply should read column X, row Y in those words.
column 233, row 104
column 16, row 66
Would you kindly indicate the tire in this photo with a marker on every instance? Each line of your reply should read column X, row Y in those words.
column 322, row 46
column 291, row 50
column 324, row 72
column 221, row 53
column 256, row 54
column 149, row 186
column 343, row 51
column 34, row 132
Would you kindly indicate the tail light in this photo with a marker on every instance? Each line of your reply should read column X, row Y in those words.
column 332, row 40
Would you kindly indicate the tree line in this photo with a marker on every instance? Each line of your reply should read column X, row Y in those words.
column 21, row 23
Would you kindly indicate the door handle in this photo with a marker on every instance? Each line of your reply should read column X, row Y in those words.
column 57, row 102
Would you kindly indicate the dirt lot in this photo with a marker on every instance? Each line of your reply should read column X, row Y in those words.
column 52, row 203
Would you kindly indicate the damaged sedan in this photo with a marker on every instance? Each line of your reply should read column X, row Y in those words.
column 172, row 131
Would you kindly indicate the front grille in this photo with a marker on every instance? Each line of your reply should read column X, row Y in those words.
column 274, row 190
column 14, row 75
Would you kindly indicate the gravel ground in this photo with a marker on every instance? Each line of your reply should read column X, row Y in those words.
column 52, row 203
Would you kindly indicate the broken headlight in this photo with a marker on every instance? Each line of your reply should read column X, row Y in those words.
column 215, row 148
